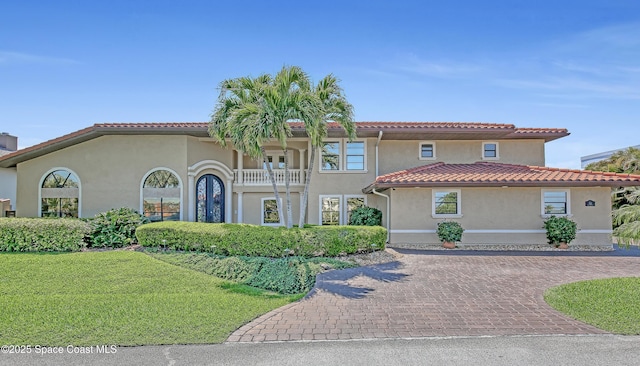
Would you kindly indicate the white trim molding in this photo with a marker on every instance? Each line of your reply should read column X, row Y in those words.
column 433, row 150
column 342, row 156
column 280, row 223
column 497, row 157
column 144, row 178
column 458, row 204
column 42, row 181
column 198, row 168
column 542, row 202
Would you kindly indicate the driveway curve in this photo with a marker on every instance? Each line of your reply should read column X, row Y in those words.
column 426, row 294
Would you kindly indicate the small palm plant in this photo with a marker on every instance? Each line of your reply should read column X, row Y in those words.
column 449, row 232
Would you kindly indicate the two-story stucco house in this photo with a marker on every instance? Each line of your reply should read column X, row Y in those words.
column 489, row 177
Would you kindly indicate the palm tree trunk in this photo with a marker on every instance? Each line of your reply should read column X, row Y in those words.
column 273, row 181
column 307, row 183
column 287, row 181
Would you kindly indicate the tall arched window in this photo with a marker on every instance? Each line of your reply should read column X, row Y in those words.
column 60, row 193
column 161, row 196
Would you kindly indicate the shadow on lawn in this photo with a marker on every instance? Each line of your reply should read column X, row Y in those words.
column 335, row 281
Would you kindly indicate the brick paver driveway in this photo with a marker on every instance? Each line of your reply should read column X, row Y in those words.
column 423, row 295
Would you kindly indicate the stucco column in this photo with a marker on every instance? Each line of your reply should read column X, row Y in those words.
column 240, row 218
column 302, row 178
column 228, row 201
column 191, row 193
column 240, row 167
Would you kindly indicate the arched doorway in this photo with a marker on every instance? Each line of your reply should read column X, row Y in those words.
column 209, row 199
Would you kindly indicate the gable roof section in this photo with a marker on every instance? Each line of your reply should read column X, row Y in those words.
column 391, row 131
column 489, row 174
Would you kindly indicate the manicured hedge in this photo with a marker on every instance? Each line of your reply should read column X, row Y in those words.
column 262, row 241
column 292, row 275
column 115, row 228
column 42, row 235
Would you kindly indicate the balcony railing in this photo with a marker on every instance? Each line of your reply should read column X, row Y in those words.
column 260, row 177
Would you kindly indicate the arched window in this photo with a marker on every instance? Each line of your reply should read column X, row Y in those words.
column 161, row 196
column 60, row 193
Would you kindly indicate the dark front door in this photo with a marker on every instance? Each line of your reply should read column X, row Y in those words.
column 210, row 205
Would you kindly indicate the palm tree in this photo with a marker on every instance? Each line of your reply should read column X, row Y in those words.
column 289, row 99
column 330, row 105
column 625, row 200
column 239, row 116
column 627, row 219
column 251, row 112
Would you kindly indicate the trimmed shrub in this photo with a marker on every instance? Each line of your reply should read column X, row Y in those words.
column 262, row 241
column 115, row 228
column 449, row 231
column 40, row 234
column 560, row 229
column 284, row 275
column 368, row 216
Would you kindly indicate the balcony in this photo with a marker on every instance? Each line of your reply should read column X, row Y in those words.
column 260, row 177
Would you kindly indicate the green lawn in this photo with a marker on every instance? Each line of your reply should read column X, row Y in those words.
column 610, row 304
column 119, row 297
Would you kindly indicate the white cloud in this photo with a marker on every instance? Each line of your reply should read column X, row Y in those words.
column 10, row 57
column 411, row 63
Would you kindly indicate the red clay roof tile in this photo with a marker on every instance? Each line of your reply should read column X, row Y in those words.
column 498, row 174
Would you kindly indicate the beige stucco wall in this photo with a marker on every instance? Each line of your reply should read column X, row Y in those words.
column 498, row 216
column 110, row 170
column 341, row 183
column 252, row 207
column 399, row 155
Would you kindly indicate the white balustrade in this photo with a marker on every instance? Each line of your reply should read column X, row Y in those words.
column 261, row 176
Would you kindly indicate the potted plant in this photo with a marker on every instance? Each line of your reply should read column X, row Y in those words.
column 560, row 231
column 449, row 232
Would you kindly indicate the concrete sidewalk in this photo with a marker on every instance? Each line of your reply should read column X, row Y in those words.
column 427, row 295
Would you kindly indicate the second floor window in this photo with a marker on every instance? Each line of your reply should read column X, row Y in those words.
column 331, row 156
column 355, row 155
column 427, row 151
column 343, row 156
column 490, row 150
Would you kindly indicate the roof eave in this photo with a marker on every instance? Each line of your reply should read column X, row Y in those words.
column 390, row 185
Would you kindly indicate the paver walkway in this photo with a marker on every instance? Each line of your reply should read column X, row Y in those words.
column 425, row 295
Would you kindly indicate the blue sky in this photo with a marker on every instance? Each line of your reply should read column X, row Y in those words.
column 65, row 65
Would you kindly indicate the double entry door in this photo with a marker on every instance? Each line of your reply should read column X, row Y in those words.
column 210, row 199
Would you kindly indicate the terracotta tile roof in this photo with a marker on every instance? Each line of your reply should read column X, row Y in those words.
column 482, row 174
column 393, row 130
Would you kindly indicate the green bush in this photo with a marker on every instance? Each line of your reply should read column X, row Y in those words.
column 560, row 229
column 291, row 275
column 368, row 216
column 262, row 241
column 115, row 228
column 449, row 231
column 41, row 234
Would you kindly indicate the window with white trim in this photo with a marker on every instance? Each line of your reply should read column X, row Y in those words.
column 446, row 203
column 161, row 196
column 490, row 151
column 556, row 202
column 355, row 155
column 60, row 194
column 336, row 209
column 427, row 150
column 270, row 215
column 343, row 155
column 330, row 210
